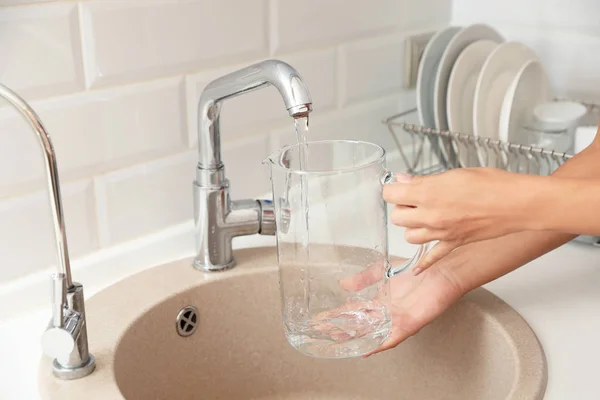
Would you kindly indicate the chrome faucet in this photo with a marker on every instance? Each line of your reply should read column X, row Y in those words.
column 218, row 219
column 65, row 339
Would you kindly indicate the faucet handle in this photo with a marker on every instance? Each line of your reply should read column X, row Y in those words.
column 65, row 339
column 59, row 299
column 56, row 341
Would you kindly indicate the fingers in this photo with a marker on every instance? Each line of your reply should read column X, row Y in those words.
column 333, row 332
column 370, row 276
column 404, row 193
column 418, row 231
column 395, row 338
column 365, row 278
column 422, row 235
column 439, row 251
column 409, row 217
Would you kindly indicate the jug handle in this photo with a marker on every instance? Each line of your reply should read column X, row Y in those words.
column 412, row 262
column 388, row 177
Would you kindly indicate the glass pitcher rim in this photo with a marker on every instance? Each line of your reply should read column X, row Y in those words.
column 379, row 159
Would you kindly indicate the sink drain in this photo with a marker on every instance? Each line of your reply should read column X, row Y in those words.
column 187, row 321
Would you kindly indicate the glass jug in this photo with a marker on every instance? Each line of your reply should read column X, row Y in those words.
column 332, row 247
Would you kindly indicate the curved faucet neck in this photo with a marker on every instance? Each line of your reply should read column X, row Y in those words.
column 34, row 121
column 285, row 78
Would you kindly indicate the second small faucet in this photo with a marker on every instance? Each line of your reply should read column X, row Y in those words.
column 217, row 218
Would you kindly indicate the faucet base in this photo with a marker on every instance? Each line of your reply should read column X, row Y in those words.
column 68, row 374
column 200, row 266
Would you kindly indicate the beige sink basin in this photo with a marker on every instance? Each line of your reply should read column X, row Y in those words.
column 480, row 349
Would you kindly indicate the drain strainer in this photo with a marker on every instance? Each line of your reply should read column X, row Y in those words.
column 187, row 321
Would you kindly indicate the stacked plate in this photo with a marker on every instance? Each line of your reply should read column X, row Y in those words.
column 472, row 81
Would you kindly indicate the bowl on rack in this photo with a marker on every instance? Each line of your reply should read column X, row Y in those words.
column 554, row 125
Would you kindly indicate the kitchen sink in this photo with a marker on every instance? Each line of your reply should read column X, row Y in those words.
column 229, row 344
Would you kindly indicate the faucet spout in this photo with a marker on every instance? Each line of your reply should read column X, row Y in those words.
column 284, row 77
column 218, row 219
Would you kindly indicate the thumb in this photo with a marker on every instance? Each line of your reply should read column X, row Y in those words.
column 439, row 251
column 400, row 177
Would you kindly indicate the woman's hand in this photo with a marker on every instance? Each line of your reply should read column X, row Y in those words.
column 461, row 206
column 418, row 300
column 415, row 300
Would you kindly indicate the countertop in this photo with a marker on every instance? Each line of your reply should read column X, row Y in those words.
column 558, row 294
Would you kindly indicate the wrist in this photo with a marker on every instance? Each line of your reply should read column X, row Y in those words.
column 479, row 263
column 535, row 194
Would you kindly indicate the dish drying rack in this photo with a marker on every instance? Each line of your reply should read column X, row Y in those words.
column 426, row 151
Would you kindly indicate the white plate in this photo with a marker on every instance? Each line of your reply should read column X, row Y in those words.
column 428, row 66
column 459, row 42
column 529, row 88
column 584, row 136
column 461, row 86
column 499, row 70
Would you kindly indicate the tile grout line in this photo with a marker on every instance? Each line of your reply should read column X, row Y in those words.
column 86, row 48
column 340, row 66
column 100, row 207
column 99, row 233
column 271, row 26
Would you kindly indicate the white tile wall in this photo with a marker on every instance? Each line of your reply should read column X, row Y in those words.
column 243, row 165
column 21, row 2
column 41, row 50
column 322, row 22
column 129, row 199
column 580, row 15
column 131, row 40
column 512, row 11
column 94, row 132
column 117, row 83
column 428, row 13
column 372, row 68
column 27, row 234
column 565, row 34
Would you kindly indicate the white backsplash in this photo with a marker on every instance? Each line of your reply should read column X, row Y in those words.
column 565, row 35
column 117, row 82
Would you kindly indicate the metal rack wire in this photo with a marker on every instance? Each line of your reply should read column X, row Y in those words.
column 427, row 151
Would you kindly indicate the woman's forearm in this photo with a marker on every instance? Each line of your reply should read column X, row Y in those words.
column 568, row 205
column 478, row 263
